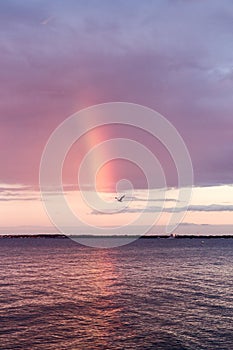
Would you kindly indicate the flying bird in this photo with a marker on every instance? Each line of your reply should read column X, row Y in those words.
column 120, row 199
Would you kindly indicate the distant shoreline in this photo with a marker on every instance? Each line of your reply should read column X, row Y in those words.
column 61, row 236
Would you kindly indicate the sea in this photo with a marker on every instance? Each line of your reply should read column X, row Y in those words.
column 154, row 293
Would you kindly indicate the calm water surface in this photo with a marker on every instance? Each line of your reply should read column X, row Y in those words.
column 152, row 294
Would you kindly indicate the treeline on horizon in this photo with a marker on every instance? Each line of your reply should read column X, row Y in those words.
column 61, row 236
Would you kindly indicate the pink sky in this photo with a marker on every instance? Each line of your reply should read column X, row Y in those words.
column 56, row 58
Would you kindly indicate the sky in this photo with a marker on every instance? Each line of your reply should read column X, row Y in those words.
column 173, row 56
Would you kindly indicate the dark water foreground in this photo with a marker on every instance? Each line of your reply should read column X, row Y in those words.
column 153, row 294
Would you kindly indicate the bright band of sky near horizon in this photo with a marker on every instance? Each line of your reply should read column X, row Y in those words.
column 172, row 56
column 29, row 215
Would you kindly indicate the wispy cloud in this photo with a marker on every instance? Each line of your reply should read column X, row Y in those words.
column 21, row 198
column 212, row 207
column 18, row 193
column 138, row 199
column 13, row 187
column 154, row 209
